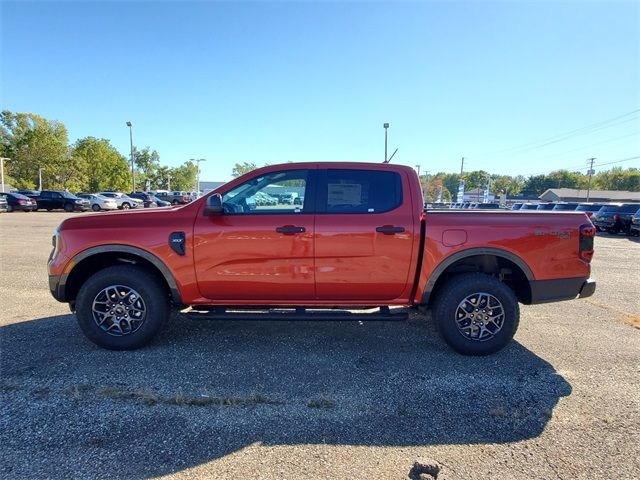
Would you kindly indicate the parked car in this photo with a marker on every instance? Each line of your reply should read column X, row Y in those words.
column 174, row 198
column 27, row 193
column 17, row 201
column 123, row 201
column 487, row 206
column 529, row 206
column 545, row 206
column 160, row 203
column 288, row 198
column 211, row 255
column 147, row 200
column 565, row 206
column 589, row 208
column 615, row 218
column 634, row 229
column 3, row 204
column 60, row 199
column 99, row 202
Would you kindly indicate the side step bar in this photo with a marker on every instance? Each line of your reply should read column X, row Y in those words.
column 298, row 313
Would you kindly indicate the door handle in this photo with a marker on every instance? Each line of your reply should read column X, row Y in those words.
column 389, row 229
column 290, row 230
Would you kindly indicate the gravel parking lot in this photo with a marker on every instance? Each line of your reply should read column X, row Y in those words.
column 235, row 399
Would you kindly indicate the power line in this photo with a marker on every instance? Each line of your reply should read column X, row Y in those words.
column 590, row 145
column 582, row 167
column 563, row 136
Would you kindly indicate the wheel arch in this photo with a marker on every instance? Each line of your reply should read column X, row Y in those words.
column 509, row 267
column 89, row 261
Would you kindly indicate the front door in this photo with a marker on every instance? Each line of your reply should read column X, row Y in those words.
column 261, row 248
column 364, row 235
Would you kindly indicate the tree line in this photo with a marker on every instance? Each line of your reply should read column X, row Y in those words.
column 447, row 183
column 37, row 147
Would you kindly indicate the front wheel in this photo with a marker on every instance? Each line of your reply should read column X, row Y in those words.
column 95, row 207
column 68, row 207
column 126, row 206
column 122, row 307
column 476, row 314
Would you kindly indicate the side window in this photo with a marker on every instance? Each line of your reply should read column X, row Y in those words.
column 362, row 191
column 277, row 192
column 46, row 195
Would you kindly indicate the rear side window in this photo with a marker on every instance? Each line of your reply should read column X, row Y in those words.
column 633, row 208
column 361, row 191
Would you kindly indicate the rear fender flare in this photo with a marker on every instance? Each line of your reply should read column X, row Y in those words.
column 472, row 252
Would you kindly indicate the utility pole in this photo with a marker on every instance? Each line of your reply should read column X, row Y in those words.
column 198, row 179
column 418, row 170
column 462, row 167
column 168, row 182
column 40, row 179
column 133, row 175
column 590, row 160
column 2, row 159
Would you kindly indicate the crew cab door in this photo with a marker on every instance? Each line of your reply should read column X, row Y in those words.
column 364, row 235
column 259, row 248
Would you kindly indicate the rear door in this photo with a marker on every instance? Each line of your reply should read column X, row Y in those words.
column 258, row 251
column 364, row 235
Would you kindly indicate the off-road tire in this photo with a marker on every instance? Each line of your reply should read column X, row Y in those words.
column 451, row 295
column 148, row 286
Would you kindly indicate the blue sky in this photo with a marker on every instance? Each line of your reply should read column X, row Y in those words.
column 304, row 81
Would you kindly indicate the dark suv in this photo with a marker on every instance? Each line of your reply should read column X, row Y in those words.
column 615, row 218
column 147, row 200
column 53, row 199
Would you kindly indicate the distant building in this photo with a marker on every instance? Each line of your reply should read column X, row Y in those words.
column 207, row 187
column 573, row 195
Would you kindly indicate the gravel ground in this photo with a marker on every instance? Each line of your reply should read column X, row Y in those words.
column 234, row 399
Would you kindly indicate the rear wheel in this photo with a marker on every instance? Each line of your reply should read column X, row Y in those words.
column 126, row 206
column 122, row 307
column 95, row 207
column 68, row 207
column 476, row 314
column 9, row 208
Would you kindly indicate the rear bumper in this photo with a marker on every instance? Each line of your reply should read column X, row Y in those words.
column 545, row 291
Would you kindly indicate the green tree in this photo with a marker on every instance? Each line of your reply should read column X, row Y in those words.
column 147, row 162
column 105, row 168
column 242, row 168
column 185, row 176
column 32, row 142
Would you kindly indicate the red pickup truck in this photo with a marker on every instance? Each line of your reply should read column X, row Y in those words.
column 358, row 242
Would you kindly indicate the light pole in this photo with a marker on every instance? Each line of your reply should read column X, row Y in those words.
column 386, row 127
column 198, row 179
column 169, row 182
column 133, row 175
column 2, row 159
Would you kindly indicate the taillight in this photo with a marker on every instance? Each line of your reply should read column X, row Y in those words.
column 22, row 201
column 585, row 247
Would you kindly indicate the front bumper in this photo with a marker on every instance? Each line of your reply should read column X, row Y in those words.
column 57, row 288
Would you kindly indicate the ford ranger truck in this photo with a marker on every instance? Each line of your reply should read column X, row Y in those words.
column 358, row 244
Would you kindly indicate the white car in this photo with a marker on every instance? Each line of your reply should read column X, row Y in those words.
column 99, row 202
column 123, row 201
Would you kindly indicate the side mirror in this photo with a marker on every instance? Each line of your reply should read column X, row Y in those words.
column 214, row 205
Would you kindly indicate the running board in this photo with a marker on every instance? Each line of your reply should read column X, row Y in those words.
column 299, row 313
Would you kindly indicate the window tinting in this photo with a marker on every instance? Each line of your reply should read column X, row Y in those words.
column 362, row 191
